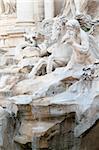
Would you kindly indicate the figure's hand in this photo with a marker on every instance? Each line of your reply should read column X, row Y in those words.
column 84, row 50
column 67, row 41
column 70, row 41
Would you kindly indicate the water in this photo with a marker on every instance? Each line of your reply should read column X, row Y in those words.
column 38, row 128
column 36, row 113
column 35, row 143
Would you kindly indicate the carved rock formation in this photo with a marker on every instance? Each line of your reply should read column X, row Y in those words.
column 59, row 108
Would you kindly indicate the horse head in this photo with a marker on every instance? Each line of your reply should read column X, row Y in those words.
column 58, row 27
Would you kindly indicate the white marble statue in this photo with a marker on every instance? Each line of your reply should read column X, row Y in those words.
column 60, row 53
column 28, row 48
column 30, row 51
column 92, row 27
column 75, row 7
column 78, row 39
column 1, row 7
column 7, row 6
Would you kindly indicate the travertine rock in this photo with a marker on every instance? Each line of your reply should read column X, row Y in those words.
column 59, row 110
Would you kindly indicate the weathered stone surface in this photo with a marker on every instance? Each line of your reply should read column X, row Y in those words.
column 42, row 87
column 49, row 83
column 89, row 140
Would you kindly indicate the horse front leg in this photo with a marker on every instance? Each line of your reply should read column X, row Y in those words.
column 50, row 64
column 42, row 61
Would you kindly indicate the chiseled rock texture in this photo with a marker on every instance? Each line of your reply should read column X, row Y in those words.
column 57, row 110
column 57, row 114
column 58, row 121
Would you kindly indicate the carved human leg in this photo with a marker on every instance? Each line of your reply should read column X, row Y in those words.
column 7, row 7
column 77, row 6
column 67, row 8
column 72, row 6
column 1, row 7
column 80, row 6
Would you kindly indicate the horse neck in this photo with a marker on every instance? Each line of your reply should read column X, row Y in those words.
column 61, row 36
